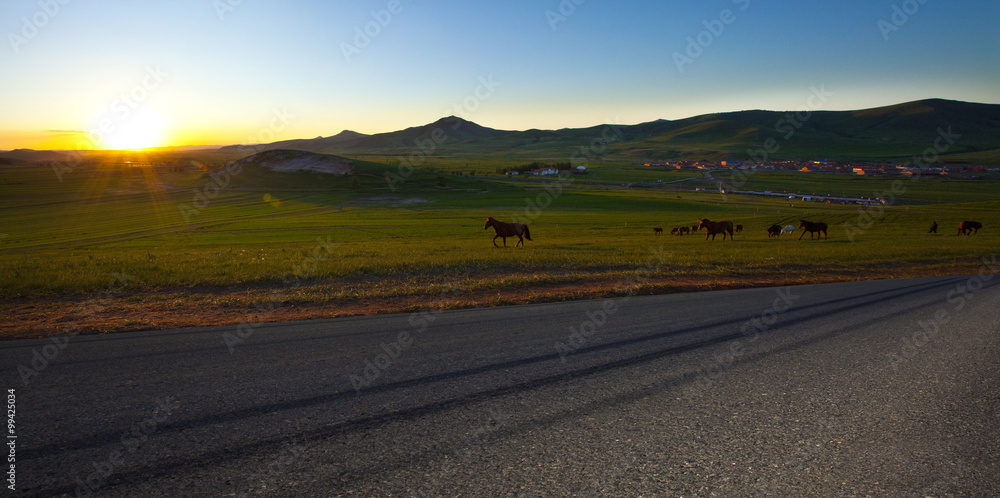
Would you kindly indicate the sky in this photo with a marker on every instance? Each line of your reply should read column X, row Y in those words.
column 81, row 74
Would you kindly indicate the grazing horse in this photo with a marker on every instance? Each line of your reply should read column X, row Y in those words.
column 505, row 230
column 787, row 229
column 933, row 228
column 714, row 227
column 694, row 228
column 810, row 227
column 685, row 230
column 657, row 231
column 969, row 226
column 739, row 228
column 675, row 231
column 773, row 231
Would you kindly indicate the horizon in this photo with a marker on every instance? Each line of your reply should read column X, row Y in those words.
column 220, row 145
column 121, row 76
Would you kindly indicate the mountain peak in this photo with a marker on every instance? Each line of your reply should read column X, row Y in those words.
column 453, row 121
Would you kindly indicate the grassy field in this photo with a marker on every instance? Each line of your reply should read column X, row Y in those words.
column 143, row 249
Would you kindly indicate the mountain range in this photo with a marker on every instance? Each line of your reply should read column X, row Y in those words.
column 954, row 131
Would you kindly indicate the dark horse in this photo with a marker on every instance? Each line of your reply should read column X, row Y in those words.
column 773, row 231
column 969, row 226
column 808, row 226
column 505, row 230
column 714, row 227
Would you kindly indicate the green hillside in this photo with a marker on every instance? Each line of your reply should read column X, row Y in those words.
column 891, row 133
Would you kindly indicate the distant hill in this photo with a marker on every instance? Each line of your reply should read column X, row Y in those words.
column 890, row 133
column 30, row 155
column 281, row 160
column 343, row 139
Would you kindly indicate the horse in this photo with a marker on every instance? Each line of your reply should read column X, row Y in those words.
column 739, row 228
column 675, row 231
column 684, row 230
column 787, row 229
column 657, row 231
column 714, row 227
column 966, row 226
column 933, row 228
column 773, row 231
column 505, row 230
column 810, row 227
column 694, row 228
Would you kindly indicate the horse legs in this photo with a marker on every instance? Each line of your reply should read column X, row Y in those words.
column 520, row 241
column 495, row 241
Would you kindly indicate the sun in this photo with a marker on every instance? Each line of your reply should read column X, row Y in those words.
column 141, row 131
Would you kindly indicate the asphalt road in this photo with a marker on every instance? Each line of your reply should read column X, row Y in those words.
column 885, row 388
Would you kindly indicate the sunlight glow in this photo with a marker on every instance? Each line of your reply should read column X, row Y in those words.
column 140, row 132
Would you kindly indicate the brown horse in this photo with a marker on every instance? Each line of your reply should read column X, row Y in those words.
column 739, row 228
column 773, row 231
column 685, row 230
column 694, row 228
column 714, row 227
column 657, row 231
column 504, row 230
column 810, row 227
column 969, row 226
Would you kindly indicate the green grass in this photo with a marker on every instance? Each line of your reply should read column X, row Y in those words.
column 76, row 236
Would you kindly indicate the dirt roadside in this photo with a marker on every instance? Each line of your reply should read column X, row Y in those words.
column 202, row 307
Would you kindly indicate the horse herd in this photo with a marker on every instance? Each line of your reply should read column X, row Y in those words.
column 712, row 228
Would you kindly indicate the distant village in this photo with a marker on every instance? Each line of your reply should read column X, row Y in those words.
column 823, row 166
column 958, row 171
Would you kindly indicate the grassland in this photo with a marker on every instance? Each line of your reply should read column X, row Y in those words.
column 112, row 248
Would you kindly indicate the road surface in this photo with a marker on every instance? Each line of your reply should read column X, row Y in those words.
column 884, row 388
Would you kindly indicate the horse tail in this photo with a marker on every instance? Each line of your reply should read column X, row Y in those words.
column 527, row 234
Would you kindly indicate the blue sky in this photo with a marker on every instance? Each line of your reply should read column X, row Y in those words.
column 232, row 71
